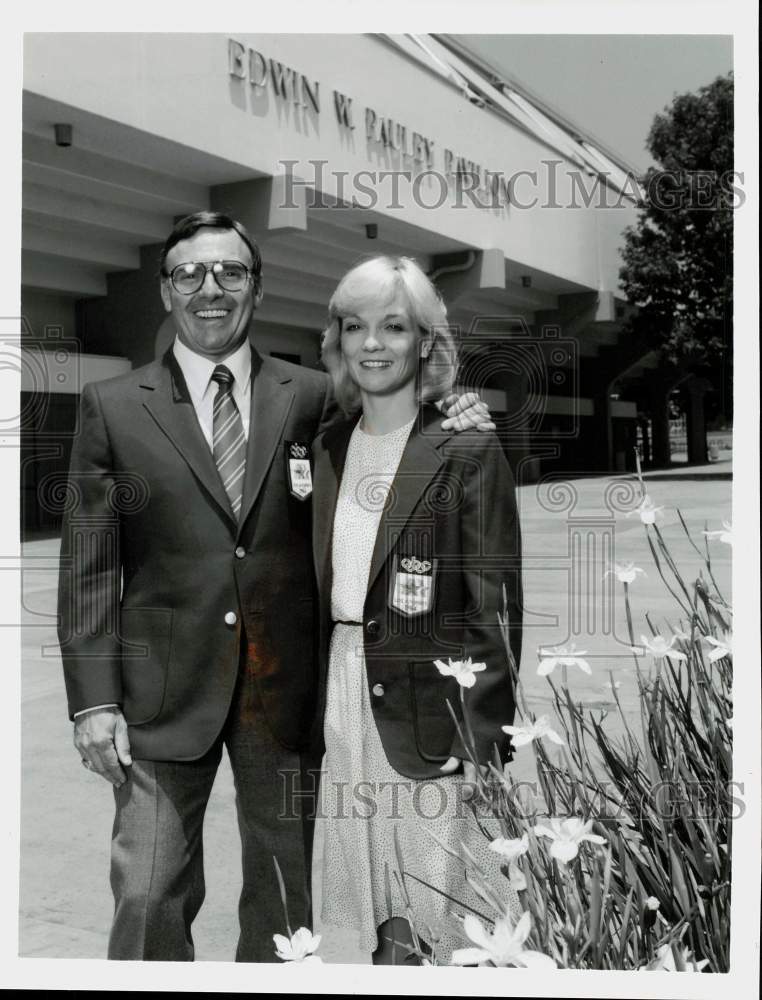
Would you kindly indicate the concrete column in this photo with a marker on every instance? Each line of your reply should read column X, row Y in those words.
column 267, row 206
column 456, row 277
column 125, row 323
column 601, row 449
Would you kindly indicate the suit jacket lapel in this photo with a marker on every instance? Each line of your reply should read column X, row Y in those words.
column 329, row 468
column 170, row 405
column 271, row 400
column 418, row 465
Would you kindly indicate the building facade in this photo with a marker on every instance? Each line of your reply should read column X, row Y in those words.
column 328, row 148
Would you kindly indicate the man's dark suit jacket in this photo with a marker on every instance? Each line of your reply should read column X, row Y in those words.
column 157, row 577
column 452, row 500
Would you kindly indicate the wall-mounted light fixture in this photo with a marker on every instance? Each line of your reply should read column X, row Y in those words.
column 63, row 134
column 371, row 230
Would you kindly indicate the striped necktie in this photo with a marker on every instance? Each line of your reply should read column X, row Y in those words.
column 229, row 441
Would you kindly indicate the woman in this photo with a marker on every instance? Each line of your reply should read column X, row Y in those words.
column 415, row 534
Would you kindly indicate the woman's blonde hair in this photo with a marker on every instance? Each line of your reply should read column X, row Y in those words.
column 379, row 279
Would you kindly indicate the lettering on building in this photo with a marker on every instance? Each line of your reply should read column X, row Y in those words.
column 343, row 105
column 483, row 188
column 285, row 82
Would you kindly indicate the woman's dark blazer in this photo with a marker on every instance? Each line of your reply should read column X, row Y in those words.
column 452, row 504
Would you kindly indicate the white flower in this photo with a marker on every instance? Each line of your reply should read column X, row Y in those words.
column 658, row 647
column 510, row 848
column 625, row 572
column 504, row 946
column 462, row 670
column 722, row 647
column 565, row 656
column 726, row 535
column 297, row 948
column 521, row 735
column 516, row 877
column 567, row 835
column 646, row 510
column 665, row 962
column 652, row 903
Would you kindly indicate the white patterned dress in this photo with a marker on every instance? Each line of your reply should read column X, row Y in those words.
column 363, row 799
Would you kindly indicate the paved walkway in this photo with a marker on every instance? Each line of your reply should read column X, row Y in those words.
column 66, row 814
column 722, row 469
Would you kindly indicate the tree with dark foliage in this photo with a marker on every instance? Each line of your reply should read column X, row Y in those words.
column 678, row 258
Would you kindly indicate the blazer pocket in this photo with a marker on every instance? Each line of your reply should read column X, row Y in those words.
column 147, row 633
column 433, row 727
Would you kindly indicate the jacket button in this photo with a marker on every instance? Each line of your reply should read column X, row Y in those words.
column 378, row 690
column 372, row 628
column 231, row 618
column 240, row 552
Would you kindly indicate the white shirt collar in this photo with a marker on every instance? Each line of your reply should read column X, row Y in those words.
column 197, row 369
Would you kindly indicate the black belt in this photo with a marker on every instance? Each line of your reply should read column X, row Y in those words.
column 339, row 621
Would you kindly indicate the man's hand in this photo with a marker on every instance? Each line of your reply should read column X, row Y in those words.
column 466, row 411
column 101, row 739
column 470, row 783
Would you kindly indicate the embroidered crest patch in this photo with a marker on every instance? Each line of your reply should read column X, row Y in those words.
column 412, row 585
column 298, row 471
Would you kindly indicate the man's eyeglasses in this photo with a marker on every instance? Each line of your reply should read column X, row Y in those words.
column 230, row 275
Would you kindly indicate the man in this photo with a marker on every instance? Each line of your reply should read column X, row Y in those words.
column 186, row 602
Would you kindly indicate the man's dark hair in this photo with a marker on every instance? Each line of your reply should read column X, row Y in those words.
column 191, row 224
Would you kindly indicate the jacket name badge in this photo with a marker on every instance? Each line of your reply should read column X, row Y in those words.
column 298, row 471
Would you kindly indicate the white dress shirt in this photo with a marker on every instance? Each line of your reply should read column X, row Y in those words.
column 197, row 372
